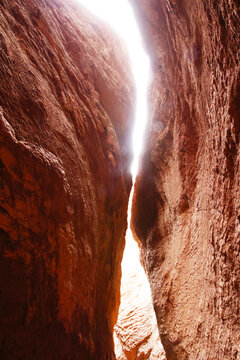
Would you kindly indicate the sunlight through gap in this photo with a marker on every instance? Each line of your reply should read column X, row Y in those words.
column 135, row 289
column 119, row 15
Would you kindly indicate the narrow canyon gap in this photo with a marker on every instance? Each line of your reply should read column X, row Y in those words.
column 66, row 107
column 136, row 333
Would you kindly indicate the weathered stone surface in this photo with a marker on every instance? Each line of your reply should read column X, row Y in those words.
column 136, row 331
column 66, row 100
column 186, row 207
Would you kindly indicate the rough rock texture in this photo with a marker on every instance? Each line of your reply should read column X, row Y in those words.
column 65, row 100
column 136, row 331
column 186, row 206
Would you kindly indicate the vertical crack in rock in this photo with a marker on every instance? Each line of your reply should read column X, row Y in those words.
column 66, row 103
column 136, row 331
column 186, row 202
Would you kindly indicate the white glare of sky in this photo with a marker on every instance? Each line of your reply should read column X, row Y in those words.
column 119, row 14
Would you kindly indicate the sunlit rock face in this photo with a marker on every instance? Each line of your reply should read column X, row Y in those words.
column 186, row 206
column 136, row 331
column 66, row 103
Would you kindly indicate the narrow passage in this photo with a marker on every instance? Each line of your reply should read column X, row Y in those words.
column 136, row 333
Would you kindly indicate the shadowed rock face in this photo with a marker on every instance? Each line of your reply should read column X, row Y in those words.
column 186, row 206
column 65, row 107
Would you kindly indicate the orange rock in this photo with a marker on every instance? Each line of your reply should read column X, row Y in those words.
column 186, row 204
column 66, row 99
column 136, row 332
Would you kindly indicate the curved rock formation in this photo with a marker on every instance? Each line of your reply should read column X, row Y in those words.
column 186, row 206
column 66, row 101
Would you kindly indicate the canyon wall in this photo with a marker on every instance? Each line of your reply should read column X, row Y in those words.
column 66, row 99
column 186, row 206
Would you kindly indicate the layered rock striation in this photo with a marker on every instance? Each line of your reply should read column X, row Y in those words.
column 65, row 108
column 186, row 205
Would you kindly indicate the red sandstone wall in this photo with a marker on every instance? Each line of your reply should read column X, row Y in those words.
column 65, row 108
column 186, row 207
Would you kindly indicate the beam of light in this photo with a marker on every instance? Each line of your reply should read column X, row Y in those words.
column 119, row 15
column 135, row 289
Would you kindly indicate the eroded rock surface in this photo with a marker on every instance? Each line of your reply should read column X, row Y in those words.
column 65, row 108
column 186, row 206
column 136, row 331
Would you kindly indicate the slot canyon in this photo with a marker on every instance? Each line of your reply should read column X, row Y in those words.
column 67, row 104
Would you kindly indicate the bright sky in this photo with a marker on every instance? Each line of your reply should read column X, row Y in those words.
column 119, row 14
